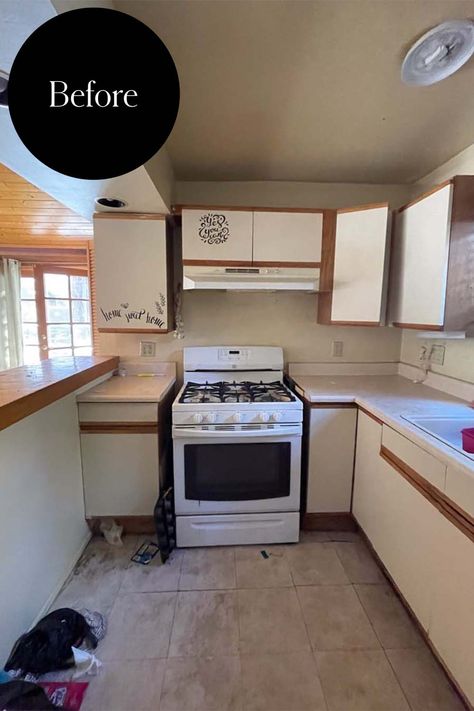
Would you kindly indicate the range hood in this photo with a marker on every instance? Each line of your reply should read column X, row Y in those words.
column 251, row 278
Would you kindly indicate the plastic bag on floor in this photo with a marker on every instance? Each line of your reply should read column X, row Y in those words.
column 48, row 646
column 85, row 664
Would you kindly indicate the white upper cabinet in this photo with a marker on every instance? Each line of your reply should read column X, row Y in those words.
column 133, row 287
column 432, row 274
column 421, row 248
column 215, row 235
column 287, row 238
column 355, row 266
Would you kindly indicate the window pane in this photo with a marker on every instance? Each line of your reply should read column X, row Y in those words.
column 31, row 354
column 28, row 311
column 56, row 285
column 30, row 334
column 27, row 288
column 79, row 287
column 58, row 352
column 83, row 351
column 59, row 336
column 57, row 311
column 82, row 335
column 80, row 311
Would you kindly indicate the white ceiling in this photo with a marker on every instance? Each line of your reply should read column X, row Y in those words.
column 308, row 90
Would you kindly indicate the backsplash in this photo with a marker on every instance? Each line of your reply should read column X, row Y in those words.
column 458, row 356
column 274, row 319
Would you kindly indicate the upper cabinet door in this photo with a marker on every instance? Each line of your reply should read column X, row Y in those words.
column 132, row 285
column 287, row 238
column 217, row 236
column 355, row 270
column 420, row 261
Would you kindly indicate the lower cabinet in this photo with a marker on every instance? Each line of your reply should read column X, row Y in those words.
column 452, row 616
column 430, row 560
column 121, row 456
column 120, row 472
column 331, row 459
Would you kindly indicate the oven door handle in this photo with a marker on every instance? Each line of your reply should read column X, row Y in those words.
column 191, row 432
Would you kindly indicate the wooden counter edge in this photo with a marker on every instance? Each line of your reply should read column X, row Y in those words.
column 43, row 395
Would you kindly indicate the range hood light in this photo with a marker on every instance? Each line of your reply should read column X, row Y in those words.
column 115, row 203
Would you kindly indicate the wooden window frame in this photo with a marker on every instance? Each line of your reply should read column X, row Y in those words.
column 37, row 272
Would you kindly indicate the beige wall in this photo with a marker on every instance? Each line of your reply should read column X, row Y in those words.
column 459, row 355
column 280, row 319
column 287, row 320
column 42, row 524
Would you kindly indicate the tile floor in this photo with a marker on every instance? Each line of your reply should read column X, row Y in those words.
column 315, row 627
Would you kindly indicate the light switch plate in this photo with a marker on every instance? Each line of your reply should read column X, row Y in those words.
column 147, row 348
column 338, row 349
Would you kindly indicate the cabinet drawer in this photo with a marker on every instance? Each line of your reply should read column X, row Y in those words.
column 118, row 412
column 415, row 457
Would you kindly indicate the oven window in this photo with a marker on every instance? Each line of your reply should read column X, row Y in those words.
column 237, row 472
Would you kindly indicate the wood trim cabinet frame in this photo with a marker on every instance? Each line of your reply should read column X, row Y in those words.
column 459, row 294
column 169, row 271
column 328, row 265
column 177, row 213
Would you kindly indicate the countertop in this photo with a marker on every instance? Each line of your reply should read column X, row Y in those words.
column 130, row 388
column 133, row 387
column 29, row 388
column 388, row 397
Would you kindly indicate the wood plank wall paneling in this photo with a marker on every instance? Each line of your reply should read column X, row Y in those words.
column 27, row 213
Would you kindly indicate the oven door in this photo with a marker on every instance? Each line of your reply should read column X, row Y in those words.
column 237, row 471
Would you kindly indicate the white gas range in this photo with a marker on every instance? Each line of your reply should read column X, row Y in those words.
column 237, row 448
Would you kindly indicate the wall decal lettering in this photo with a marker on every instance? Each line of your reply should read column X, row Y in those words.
column 133, row 315
column 214, row 228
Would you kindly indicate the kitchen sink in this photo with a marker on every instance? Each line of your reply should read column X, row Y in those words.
column 446, row 429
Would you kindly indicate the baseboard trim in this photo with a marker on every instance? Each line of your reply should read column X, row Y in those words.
column 52, row 597
column 131, row 524
column 334, row 521
column 414, row 618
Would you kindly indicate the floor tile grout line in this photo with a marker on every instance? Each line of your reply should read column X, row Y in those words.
column 398, row 680
column 304, row 619
column 374, row 630
column 315, row 657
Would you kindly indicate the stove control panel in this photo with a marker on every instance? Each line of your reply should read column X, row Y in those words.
column 233, row 355
column 230, row 417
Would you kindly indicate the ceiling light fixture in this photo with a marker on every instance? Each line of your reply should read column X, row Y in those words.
column 439, row 53
column 110, row 202
column 3, row 89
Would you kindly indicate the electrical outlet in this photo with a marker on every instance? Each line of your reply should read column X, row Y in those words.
column 147, row 348
column 437, row 354
column 337, row 349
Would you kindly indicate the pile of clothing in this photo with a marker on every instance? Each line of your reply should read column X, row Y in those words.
column 51, row 647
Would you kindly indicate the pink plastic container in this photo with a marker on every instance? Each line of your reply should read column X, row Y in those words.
column 468, row 439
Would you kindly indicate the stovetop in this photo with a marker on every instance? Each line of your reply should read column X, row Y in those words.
column 236, row 392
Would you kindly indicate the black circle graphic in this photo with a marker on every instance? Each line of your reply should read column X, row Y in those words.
column 93, row 93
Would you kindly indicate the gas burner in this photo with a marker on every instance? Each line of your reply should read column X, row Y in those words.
column 199, row 393
column 246, row 391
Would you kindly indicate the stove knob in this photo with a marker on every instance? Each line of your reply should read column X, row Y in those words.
column 237, row 417
column 263, row 417
column 210, row 417
column 275, row 416
column 197, row 418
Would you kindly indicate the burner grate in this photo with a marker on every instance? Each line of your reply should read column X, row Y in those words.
column 236, row 392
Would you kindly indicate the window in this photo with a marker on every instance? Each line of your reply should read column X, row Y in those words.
column 55, row 313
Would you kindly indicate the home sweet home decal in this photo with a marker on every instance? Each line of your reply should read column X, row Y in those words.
column 125, row 314
column 213, row 228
